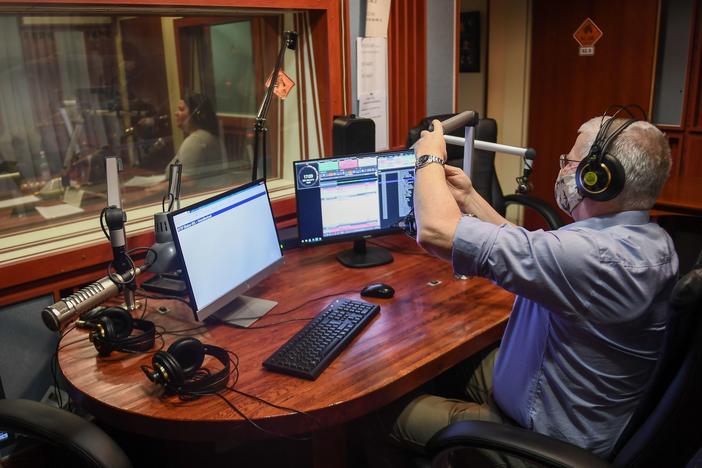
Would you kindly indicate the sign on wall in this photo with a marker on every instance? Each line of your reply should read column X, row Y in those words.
column 587, row 35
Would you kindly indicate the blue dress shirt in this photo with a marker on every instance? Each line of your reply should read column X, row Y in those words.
column 588, row 322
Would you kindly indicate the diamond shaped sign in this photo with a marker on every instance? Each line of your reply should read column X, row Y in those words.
column 282, row 86
column 588, row 33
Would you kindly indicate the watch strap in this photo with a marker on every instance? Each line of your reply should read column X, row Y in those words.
column 426, row 159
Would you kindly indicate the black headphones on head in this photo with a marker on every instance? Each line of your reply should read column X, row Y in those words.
column 111, row 330
column 181, row 372
column 600, row 176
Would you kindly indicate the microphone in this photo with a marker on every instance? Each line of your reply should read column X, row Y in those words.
column 59, row 314
column 115, row 219
column 464, row 119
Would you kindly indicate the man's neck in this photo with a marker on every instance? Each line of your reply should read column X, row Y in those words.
column 589, row 208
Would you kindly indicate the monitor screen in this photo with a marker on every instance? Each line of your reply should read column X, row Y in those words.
column 354, row 196
column 226, row 244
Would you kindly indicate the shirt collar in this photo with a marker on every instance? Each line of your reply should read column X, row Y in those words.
column 609, row 220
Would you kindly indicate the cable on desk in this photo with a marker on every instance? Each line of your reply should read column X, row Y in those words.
column 144, row 294
column 277, row 314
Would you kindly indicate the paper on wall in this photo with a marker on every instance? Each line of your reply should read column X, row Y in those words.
column 377, row 17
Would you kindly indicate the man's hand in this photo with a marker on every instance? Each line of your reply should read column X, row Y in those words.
column 459, row 185
column 432, row 142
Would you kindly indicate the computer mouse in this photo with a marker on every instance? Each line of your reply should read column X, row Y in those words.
column 382, row 290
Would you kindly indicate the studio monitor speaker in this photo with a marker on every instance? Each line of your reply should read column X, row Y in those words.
column 353, row 135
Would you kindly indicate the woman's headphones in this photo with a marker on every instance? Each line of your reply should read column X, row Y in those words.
column 111, row 330
column 600, row 176
column 180, row 369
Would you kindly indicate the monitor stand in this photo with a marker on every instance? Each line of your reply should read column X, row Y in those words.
column 244, row 310
column 362, row 256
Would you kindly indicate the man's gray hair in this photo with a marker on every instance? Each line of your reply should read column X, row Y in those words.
column 643, row 151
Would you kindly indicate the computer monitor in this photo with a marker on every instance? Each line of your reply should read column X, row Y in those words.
column 354, row 197
column 227, row 244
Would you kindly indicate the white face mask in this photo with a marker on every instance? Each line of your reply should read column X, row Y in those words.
column 566, row 192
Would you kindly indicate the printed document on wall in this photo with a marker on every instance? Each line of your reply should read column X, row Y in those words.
column 372, row 60
column 377, row 16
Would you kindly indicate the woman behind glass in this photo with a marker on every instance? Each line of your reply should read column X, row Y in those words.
column 200, row 153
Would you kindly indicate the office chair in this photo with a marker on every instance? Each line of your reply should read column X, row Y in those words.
column 484, row 177
column 664, row 429
column 26, row 348
column 77, row 441
column 686, row 232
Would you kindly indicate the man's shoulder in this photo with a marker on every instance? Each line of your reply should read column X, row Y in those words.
column 631, row 245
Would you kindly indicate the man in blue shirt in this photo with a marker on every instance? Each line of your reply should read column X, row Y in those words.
column 588, row 321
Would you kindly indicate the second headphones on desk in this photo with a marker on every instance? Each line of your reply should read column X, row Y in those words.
column 111, row 330
column 180, row 369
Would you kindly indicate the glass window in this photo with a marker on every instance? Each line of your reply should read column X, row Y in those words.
column 150, row 89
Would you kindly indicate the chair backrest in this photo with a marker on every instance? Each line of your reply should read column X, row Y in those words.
column 664, row 430
column 26, row 349
column 483, row 176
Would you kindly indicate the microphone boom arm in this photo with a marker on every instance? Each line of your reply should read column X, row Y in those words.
column 260, row 130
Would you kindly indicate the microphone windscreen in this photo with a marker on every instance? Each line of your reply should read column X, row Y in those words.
column 465, row 118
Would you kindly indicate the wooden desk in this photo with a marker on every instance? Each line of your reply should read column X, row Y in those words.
column 418, row 334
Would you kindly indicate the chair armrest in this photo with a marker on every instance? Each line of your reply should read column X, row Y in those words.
column 515, row 441
column 545, row 210
column 62, row 429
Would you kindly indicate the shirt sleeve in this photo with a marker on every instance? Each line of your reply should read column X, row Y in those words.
column 562, row 270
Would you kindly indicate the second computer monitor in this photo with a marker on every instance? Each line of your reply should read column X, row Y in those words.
column 354, row 197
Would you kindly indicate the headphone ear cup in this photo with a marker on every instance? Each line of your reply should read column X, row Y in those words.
column 189, row 353
column 103, row 335
column 600, row 180
column 168, row 371
column 121, row 320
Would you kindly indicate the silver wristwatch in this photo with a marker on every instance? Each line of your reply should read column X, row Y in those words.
column 426, row 159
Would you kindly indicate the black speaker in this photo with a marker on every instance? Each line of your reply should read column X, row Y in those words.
column 352, row 135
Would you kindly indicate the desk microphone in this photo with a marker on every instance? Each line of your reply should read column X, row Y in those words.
column 58, row 315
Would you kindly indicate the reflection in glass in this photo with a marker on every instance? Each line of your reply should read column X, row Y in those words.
column 74, row 89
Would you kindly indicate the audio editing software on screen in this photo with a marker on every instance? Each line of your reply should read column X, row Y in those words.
column 353, row 195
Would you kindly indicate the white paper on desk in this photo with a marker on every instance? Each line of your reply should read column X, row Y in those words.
column 377, row 16
column 375, row 106
column 73, row 196
column 58, row 211
column 145, row 181
column 19, row 201
column 372, row 60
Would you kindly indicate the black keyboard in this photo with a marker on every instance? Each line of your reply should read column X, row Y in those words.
column 314, row 347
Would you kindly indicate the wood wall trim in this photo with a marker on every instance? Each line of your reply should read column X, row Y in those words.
column 407, row 63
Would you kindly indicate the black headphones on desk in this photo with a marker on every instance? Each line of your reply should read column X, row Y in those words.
column 180, row 369
column 111, row 330
column 600, row 176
